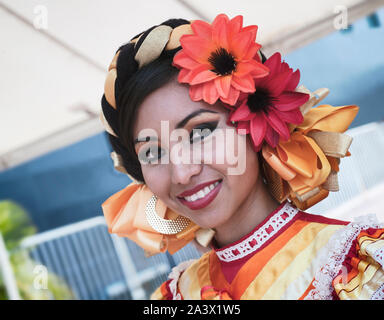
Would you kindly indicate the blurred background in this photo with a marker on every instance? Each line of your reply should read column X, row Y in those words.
column 55, row 169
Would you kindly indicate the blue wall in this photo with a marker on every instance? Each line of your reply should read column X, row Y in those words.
column 70, row 184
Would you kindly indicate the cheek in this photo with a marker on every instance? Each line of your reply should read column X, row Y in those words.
column 156, row 179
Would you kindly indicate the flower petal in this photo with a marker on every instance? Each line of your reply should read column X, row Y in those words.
column 182, row 60
column 271, row 137
column 232, row 96
column 293, row 116
column 258, row 129
column 273, row 63
column 219, row 34
column 210, row 94
column 243, row 125
column 290, row 100
column 240, row 44
column 197, row 48
column 202, row 29
column 277, row 124
column 223, row 85
column 241, row 113
column 252, row 51
column 293, row 81
column 244, row 84
column 235, row 25
column 253, row 67
column 202, row 74
column 196, row 92
column 276, row 84
column 184, row 76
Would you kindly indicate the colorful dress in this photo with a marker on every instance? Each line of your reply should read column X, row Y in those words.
column 290, row 255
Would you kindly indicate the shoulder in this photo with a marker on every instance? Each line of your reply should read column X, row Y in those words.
column 182, row 280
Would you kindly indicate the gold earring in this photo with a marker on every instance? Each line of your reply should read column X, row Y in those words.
column 161, row 225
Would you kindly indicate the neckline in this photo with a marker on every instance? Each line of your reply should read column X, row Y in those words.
column 260, row 235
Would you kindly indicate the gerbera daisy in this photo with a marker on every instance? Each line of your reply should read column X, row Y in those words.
column 275, row 103
column 219, row 60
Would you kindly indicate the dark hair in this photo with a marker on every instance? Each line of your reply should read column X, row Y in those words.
column 132, row 86
column 144, row 82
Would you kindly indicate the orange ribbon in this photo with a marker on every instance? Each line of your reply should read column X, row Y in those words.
column 125, row 216
column 305, row 167
column 211, row 293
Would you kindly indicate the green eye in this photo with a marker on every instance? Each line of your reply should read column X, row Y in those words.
column 202, row 131
column 151, row 154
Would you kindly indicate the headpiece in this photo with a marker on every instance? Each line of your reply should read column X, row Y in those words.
column 301, row 145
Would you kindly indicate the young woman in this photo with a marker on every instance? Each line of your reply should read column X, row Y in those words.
column 223, row 147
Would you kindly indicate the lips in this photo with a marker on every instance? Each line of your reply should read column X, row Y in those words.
column 196, row 189
column 202, row 202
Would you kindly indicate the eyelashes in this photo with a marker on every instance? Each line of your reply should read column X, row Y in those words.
column 198, row 134
column 202, row 131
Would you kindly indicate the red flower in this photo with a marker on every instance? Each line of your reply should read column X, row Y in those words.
column 219, row 60
column 275, row 103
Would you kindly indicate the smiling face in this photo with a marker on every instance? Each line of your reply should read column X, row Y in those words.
column 203, row 188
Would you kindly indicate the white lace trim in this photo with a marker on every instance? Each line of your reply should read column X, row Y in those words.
column 379, row 293
column 175, row 275
column 331, row 257
column 379, row 256
column 253, row 242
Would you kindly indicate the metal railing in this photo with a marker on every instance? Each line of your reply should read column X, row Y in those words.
column 98, row 265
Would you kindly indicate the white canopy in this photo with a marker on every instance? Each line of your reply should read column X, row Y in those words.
column 54, row 55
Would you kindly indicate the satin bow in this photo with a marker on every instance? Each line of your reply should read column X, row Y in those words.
column 305, row 167
column 125, row 216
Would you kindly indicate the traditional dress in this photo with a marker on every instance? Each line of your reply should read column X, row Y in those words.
column 290, row 255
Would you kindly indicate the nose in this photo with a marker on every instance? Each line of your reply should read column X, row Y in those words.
column 182, row 173
column 183, row 168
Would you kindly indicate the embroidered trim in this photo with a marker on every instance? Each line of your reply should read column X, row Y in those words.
column 332, row 256
column 378, row 294
column 175, row 275
column 260, row 236
column 379, row 256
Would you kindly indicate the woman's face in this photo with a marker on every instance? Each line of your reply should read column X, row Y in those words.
column 207, row 186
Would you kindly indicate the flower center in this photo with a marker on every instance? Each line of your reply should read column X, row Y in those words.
column 260, row 100
column 222, row 61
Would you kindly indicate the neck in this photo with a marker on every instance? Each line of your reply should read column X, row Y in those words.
column 257, row 206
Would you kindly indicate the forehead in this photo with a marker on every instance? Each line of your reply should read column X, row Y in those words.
column 170, row 103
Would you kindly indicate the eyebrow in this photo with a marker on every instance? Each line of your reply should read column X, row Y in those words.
column 179, row 125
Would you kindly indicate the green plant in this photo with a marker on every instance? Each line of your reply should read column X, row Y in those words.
column 15, row 224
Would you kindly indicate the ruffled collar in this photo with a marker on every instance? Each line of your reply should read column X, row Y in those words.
column 258, row 237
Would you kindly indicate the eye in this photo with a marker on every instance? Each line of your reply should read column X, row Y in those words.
column 202, row 131
column 151, row 154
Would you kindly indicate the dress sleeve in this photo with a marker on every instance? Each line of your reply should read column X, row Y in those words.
column 361, row 276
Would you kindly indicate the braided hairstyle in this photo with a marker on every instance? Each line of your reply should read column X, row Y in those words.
column 127, row 85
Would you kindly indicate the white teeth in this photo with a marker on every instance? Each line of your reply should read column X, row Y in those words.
column 202, row 193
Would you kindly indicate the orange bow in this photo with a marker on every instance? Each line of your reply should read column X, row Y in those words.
column 305, row 167
column 125, row 215
column 211, row 293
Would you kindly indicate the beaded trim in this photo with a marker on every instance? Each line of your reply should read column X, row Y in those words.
column 259, row 237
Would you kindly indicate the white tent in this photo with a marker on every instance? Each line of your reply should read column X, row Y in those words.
column 54, row 55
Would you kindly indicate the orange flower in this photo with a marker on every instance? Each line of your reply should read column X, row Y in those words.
column 220, row 60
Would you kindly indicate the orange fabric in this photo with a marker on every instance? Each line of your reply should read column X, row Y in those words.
column 300, row 161
column 250, row 269
column 310, row 287
column 125, row 215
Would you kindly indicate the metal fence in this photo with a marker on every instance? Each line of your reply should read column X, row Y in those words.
column 98, row 265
